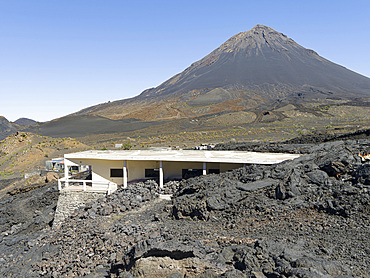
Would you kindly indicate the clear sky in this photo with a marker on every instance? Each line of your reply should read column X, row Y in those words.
column 57, row 57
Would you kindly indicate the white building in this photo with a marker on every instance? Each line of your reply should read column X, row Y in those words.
column 110, row 169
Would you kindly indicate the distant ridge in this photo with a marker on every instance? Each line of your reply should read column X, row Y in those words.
column 6, row 128
column 25, row 121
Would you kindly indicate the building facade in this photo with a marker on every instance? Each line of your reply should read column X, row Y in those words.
column 120, row 167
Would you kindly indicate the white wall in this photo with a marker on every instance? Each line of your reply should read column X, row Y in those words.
column 136, row 169
column 101, row 169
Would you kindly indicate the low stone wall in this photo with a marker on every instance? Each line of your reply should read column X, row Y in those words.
column 70, row 201
column 31, row 174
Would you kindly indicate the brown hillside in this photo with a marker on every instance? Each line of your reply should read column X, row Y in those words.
column 23, row 152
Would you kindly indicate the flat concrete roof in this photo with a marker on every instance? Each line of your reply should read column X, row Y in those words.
column 184, row 156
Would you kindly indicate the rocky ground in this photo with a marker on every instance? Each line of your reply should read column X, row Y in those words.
column 25, row 214
column 303, row 218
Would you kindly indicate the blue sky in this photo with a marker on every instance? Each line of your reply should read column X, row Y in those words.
column 57, row 57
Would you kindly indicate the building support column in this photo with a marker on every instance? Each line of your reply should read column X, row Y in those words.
column 109, row 188
column 160, row 174
column 204, row 168
column 124, row 174
column 66, row 173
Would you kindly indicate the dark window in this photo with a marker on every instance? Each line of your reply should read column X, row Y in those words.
column 74, row 168
column 151, row 173
column 213, row 171
column 189, row 173
column 116, row 173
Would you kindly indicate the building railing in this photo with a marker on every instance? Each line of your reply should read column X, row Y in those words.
column 86, row 185
column 80, row 175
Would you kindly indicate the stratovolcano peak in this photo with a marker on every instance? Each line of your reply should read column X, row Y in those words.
column 258, row 37
column 252, row 70
column 262, row 28
column 258, row 29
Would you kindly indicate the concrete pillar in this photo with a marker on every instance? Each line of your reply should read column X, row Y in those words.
column 160, row 174
column 204, row 168
column 66, row 174
column 109, row 188
column 125, row 174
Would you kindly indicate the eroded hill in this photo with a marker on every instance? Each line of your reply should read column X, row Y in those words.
column 24, row 152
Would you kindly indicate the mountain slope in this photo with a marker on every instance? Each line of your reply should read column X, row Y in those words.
column 26, row 152
column 257, row 69
column 263, row 59
column 77, row 126
column 260, row 75
column 6, row 128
